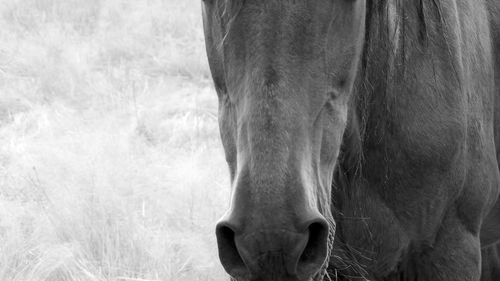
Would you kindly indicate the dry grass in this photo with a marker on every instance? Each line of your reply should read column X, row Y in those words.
column 110, row 161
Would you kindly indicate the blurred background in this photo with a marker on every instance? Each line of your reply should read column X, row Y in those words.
column 110, row 162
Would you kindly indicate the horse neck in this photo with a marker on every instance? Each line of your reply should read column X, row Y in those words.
column 371, row 93
column 394, row 29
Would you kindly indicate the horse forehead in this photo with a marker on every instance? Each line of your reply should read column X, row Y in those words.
column 279, row 15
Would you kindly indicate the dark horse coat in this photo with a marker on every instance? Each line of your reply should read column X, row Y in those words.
column 395, row 102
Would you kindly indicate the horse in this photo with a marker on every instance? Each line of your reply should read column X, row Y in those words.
column 360, row 137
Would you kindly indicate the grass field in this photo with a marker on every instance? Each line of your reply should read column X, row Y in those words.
column 110, row 161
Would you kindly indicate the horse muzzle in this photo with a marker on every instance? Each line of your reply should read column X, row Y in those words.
column 256, row 253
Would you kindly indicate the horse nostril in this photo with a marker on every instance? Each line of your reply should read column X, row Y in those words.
column 316, row 250
column 258, row 252
column 228, row 252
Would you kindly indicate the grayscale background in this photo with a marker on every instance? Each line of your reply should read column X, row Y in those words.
column 110, row 161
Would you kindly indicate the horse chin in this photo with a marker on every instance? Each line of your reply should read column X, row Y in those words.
column 271, row 274
column 277, row 278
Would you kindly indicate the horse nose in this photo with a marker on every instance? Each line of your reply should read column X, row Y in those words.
column 255, row 253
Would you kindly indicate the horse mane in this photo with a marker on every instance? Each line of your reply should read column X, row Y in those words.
column 393, row 29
